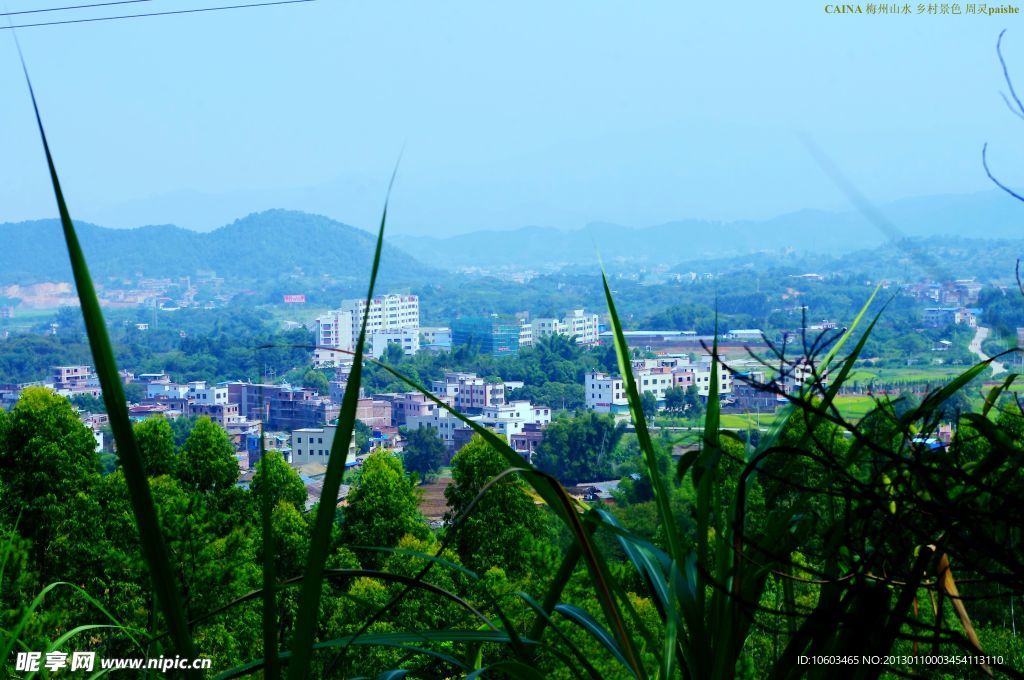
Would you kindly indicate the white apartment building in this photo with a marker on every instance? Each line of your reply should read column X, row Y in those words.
column 330, row 358
column 654, row 380
column 605, row 393
column 334, row 329
column 313, row 445
column 406, row 338
column 159, row 390
column 586, row 327
column 520, row 410
column 702, row 379
column 213, row 395
column 504, row 419
column 388, row 314
column 525, row 333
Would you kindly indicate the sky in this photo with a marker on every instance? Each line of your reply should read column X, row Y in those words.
column 504, row 114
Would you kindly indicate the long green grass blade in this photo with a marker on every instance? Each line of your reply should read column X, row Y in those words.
column 320, row 537
column 587, row 622
column 273, row 667
column 661, row 495
column 154, row 549
column 580, row 657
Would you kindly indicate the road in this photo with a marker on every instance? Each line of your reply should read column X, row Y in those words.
column 975, row 348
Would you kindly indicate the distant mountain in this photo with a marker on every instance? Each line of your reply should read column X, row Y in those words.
column 259, row 247
column 990, row 215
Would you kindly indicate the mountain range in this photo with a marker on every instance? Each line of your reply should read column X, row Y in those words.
column 990, row 214
column 280, row 243
column 260, row 246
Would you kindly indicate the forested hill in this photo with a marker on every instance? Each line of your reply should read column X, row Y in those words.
column 260, row 246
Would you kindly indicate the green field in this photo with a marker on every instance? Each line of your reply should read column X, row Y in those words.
column 931, row 374
column 852, row 407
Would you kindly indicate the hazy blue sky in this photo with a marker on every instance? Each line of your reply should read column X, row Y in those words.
column 549, row 113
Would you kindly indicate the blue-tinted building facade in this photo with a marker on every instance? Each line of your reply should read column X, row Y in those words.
column 492, row 335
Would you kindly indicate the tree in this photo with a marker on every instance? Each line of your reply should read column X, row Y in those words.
column 156, row 446
column 182, row 428
column 580, row 448
column 49, row 468
column 382, row 507
column 424, row 452
column 505, row 522
column 282, row 482
column 394, row 354
column 207, row 461
column 694, row 404
column 649, row 404
column 675, row 399
column 315, row 380
column 363, row 434
column 89, row 403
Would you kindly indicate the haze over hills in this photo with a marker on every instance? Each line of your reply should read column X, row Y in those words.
column 257, row 247
column 990, row 214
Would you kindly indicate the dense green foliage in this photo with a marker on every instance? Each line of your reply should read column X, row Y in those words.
column 580, row 448
column 381, row 509
column 424, row 452
column 505, row 528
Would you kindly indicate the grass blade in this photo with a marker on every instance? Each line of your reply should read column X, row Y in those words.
column 643, row 436
column 320, row 537
column 273, row 667
column 154, row 549
column 585, row 621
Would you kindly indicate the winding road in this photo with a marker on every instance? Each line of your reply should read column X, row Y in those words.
column 975, row 348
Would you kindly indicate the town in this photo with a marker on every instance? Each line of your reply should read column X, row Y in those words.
column 672, row 369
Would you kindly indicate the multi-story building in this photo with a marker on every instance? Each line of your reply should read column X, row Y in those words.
column 281, row 406
column 374, row 412
column 220, row 413
column 941, row 317
column 607, row 393
column 313, row 445
column 406, row 338
column 468, row 391
column 339, row 329
column 407, row 405
column 386, row 312
column 586, row 328
column 525, row 333
column 201, row 393
column 73, row 381
column 505, row 419
column 489, row 334
column 436, row 337
column 525, row 442
column 160, row 390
